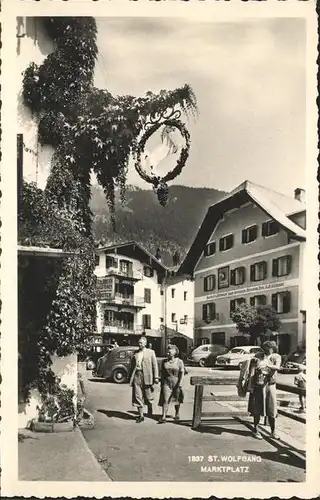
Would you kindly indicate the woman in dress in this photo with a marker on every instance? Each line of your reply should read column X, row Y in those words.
column 171, row 378
column 263, row 397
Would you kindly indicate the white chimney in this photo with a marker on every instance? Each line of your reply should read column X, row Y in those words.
column 300, row 194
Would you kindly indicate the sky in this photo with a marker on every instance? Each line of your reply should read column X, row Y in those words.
column 249, row 80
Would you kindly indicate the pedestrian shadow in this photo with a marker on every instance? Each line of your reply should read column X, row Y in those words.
column 116, row 414
column 281, row 456
column 219, row 430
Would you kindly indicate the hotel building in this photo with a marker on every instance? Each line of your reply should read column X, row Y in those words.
column 249, row 249
column 137, row 295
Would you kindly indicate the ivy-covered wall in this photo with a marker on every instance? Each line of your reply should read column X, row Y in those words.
column 90, row 130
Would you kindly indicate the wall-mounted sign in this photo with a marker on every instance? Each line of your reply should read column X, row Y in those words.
column 223, row 277
column 247, row 290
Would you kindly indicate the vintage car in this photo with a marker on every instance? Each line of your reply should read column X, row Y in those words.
column 97, row 351
column 237, row 356
column 206, row 353
column 293, row 362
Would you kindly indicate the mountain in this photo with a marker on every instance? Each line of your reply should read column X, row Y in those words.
column 142, row 218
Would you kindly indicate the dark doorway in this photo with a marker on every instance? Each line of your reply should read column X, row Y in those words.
column 218, row 338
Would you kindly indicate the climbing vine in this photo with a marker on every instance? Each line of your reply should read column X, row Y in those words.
column 90, row 130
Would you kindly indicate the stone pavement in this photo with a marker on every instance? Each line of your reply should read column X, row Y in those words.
column 154, row 452
column 61, row 456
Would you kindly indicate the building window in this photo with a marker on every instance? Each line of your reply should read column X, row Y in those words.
column 146, row 321
column 209, row 283
column 148, row 271
column 109, row 317
column 185, row 295
column 209, row 311
column 258, row 300
column 281, row 266
column 226, row 243
column 249, row 234
column 185, row 319
column 173, row 317
column 97, row 260
column 281, row 302
column 210, row 249
column 147, row 295
column 173, row 292
column 270, row 228
column 161, row 320
column 258, row 271
column 234, row 304
column 111, row 262
column 237, row 276
column 161, row 292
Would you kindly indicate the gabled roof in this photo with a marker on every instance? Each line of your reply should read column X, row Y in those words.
column 134, row 250
column 277, row 206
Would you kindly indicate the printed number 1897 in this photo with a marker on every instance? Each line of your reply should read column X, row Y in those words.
column 195, row 458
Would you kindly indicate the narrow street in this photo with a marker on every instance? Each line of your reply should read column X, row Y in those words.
column 151, row 452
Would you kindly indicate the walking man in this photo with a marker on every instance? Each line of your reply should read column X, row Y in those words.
column 144, row 374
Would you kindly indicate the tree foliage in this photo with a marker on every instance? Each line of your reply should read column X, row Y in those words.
column 255, row 321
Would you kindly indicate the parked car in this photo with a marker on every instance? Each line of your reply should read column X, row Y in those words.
column 211, row 359
column 236, row 356
column 291, row 364
column 98, row 350
column 116, row 364
column 200, row 354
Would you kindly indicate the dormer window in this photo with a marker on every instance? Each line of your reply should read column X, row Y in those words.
column 210, row 249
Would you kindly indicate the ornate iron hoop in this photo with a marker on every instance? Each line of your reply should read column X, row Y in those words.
column 160, row 183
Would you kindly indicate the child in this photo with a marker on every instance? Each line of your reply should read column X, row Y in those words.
column 300, row 381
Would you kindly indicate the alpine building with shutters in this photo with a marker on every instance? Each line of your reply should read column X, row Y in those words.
column 250, row 248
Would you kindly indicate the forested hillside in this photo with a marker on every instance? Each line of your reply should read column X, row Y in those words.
column 170, row 229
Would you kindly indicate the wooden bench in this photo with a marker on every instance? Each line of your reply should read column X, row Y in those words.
column 200, row 381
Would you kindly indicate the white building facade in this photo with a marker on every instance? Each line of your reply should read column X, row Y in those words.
column 138, row 295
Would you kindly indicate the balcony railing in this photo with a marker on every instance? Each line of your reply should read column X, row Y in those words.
column 124, row 328
column 119, row 299
column 136, row 274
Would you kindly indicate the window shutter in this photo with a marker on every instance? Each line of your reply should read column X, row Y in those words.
column 255, row 232
column 263, row 300
column 252, row 272
column 205, row 284
column 287, row 302
column 206, row 250
column 213, row 310
column 204, row 311
column 289, row 263
column 264, row 269
column 243, row 274
column 221, row 244
column 233, row 277
column 275, row 265
column 244, row 236
column 213, row 281
column 232, row 305
column 252, row 301
column 274, row 301
column 213, row 248
column 264, row 229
